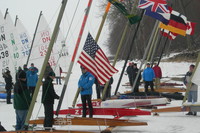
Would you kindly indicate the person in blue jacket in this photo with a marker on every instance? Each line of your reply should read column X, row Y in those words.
column 32, row 78
column 85, row 85
column 148, row 76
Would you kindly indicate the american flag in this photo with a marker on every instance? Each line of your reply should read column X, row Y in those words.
column 93, row 59
column 159, row 6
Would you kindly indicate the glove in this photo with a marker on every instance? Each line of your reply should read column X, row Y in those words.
column 81, row 89
column 57, row 97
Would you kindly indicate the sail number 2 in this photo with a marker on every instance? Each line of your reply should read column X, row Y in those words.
column 63, row 121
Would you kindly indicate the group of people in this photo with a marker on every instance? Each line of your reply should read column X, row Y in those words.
column 132, row 72
column 149, row 75
column 26, row 80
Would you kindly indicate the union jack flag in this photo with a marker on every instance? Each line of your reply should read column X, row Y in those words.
column 159, row 6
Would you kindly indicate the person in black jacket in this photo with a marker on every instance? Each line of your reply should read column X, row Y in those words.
column 129, row 71
column 48, row 96
column 135, row 72
column 9, row 85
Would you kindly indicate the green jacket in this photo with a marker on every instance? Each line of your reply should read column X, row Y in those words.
column 22, row 97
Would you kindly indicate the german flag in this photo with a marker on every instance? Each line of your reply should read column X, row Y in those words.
column 177, row 23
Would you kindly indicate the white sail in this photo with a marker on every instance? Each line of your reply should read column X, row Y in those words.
column 40, row 45
column 8, row 45
column 14, row 45
column 25, row 41
column 62, row 54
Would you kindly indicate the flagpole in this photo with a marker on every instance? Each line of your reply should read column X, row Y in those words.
column 155, row 47
column 162, row 50
column 103, row 21
column 159, row 42
column 152, row 46
column 129, row 53
column 188, row 38
column 64, row 2
column 34, row 35
column 145, row 53
column 73, row 57
column 190, row 82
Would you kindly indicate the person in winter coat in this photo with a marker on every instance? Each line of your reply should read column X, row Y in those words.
column 158, row 74
column 98, row 89
column 25, row 68
column 58, row 78
column 22, row 99
column 193, row 92
column 129, row 71
column 48, row 96
column 32, row 79
column 47, row 70
column 35, row 68
column 85, row 84
column 9, row 85
column 148, row 76
column 135, row 72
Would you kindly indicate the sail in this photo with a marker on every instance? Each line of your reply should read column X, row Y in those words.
column 9, row 42
column 59, row 54
column 62, row 54
column 14, row 45
column 40, row 45
column 25, row 41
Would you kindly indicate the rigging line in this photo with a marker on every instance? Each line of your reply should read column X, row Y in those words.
column 72, row 20
column 54, row 15
column 76, row 26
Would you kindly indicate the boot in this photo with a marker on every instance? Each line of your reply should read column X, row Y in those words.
column 195, row 113
column 189, row 113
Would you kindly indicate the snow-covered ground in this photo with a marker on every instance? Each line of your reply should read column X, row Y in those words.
column 164, row 123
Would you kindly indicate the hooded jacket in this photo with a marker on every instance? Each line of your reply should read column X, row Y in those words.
column 85, row 83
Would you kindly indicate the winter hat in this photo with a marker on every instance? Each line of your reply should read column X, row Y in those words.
column 31, row 67
column 52, row 74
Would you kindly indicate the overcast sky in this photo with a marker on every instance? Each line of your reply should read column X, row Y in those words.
column 28, row 12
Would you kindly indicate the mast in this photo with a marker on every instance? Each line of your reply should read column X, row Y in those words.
column 16, row 20
column 56, row 28
column 73, row 57
column 6, row 13
column 33, row 38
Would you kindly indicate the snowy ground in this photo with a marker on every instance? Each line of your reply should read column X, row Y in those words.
column 164, row 123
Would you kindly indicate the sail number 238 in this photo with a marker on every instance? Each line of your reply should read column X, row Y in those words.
column 4, row 54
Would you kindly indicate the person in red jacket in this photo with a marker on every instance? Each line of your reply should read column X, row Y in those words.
column 158, row 74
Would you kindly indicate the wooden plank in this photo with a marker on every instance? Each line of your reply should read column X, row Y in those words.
column 170, row 90
column 172, row 109
column 108, row 130
column 48, row 131
column 90, row 121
